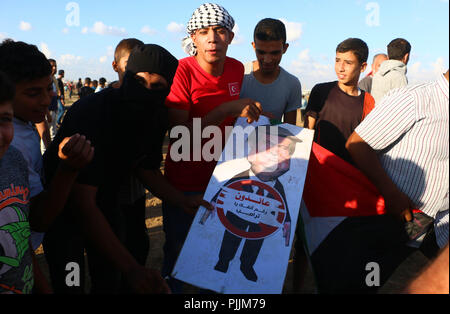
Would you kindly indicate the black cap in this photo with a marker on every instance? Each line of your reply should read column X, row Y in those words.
column 152, row 58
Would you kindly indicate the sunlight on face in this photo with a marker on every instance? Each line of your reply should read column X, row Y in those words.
column 348, row 68
column 212, row 43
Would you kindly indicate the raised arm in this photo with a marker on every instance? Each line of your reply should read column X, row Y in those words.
column 397, row 203
column 237, row 108
column 75, row 153
column 154, row 181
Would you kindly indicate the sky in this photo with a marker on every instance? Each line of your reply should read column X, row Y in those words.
column 82, row 35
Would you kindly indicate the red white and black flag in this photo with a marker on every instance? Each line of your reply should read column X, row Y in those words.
column 344, row 225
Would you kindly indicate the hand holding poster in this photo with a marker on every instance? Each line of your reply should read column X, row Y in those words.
column 243, row 246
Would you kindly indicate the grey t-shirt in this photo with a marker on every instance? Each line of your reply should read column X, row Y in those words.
column 366, row 84
column 16, row 269
column 279, row 97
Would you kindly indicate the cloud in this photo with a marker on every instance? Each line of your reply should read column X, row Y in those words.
column 147, row 30
column 110, row 51
column 45, row 50
column 100, row 28
column 420, row 73
column 174, row 27
column 3, row 36
column 67, row 59
column 238, row 38
column 79, row 67
column 109, row 54
column 293, row 30
column 310, row 71
column 25, row 26
column 65, row 30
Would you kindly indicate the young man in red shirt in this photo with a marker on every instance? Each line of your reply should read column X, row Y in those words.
column 206, row 86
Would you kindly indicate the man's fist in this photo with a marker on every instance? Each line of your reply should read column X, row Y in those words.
column 76, row 151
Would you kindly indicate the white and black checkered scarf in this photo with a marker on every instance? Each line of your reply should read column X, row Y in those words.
column 208, row 14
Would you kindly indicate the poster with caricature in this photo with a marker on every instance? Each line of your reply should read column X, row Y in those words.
column 243, row 246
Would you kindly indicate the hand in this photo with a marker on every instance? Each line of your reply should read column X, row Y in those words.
column 144, row 280
column 191, row 203
column 207, row 213
column 287, row 233
column 75, row 152
column 245, row 107
column 399, row 205
column 268, row 115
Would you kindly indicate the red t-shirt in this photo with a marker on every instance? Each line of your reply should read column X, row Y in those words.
column 199, row 92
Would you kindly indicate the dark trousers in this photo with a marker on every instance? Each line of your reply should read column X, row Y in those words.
column 339, row 263
column 61, row 110
column 129, row 226
column 230, row 242
column 176, row 224
column 64, row 243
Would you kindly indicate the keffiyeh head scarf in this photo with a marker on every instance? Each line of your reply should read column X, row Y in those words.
column 208, row 14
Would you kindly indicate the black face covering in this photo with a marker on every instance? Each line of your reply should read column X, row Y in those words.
column 141, row 112
column 139, row 103
column 153, row 59
column 136, row 98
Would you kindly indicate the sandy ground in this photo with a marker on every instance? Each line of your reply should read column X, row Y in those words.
column 154, row 222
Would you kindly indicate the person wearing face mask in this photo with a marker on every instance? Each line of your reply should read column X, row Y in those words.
column 127, row 127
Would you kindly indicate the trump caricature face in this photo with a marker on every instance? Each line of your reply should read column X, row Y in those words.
column 271, row 160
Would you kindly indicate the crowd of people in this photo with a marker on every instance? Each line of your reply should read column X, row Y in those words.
column 86, row 193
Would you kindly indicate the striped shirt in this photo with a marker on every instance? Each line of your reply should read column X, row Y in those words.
column 409, row 130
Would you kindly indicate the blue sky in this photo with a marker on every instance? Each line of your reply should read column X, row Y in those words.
column 83, row 43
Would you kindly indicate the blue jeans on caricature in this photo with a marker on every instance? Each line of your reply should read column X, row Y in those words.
column 61, row 110
column 176, row 224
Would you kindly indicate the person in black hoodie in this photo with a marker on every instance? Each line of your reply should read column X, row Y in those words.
column 127, row 128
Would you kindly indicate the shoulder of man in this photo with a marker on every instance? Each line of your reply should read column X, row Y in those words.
column 366, row 80
column 92, row 104
column 319, row 95
column 234, row 62
column 322, row 89
column 15, row 158
column 368, row 104
column 290, row 77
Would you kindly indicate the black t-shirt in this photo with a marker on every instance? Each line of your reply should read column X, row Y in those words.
column 337, row 115
column 118, row 147
column 85, row 91
column 61, row 87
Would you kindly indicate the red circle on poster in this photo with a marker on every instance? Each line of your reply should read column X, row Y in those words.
column 266, row 230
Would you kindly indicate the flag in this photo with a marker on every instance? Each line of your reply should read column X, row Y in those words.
column 344, row 226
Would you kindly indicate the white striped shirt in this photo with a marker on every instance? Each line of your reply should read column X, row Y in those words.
column 409, row 130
